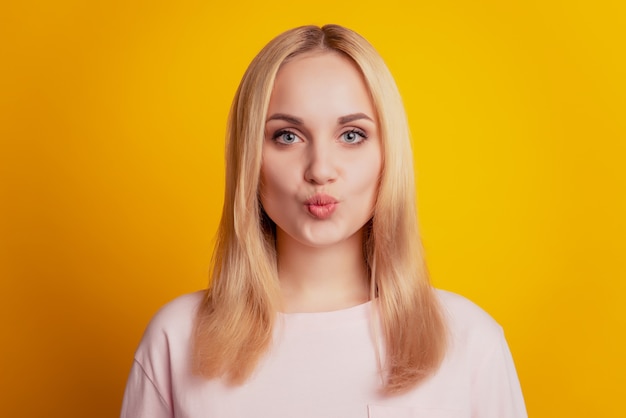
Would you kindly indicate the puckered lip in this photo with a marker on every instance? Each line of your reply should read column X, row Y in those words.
column 320, row 199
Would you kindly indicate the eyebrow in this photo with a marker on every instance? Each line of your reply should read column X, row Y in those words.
column 288, row 118
column 351, row 118
column 297, row 121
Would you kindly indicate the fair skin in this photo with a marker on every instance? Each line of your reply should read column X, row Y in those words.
column 322, row 160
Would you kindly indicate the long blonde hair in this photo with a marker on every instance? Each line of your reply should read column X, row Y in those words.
column 235, row 321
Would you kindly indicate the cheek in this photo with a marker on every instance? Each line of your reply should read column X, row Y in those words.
column 272, row 182
column 265, row 180
column 367, row 173
column 279, row 170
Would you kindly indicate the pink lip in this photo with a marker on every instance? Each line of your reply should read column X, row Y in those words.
column 321, row 206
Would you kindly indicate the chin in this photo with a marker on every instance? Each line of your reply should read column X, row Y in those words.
column 331, row 238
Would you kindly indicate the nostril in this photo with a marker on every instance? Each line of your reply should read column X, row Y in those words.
column 320, row 168
column 320, row 174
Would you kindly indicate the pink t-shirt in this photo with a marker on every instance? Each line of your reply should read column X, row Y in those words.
column 324, row 365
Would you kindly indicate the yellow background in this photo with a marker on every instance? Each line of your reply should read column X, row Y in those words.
column 112, row 120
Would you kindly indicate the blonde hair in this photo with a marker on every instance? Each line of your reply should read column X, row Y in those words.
column 235, row 321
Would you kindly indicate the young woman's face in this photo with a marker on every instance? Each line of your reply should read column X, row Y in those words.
column 322, row 151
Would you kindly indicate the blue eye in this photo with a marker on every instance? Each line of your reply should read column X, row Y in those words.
column 286, row 137
column 353, row 136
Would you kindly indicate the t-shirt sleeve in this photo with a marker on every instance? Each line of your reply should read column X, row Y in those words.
column 142, row 399
column 497, row 391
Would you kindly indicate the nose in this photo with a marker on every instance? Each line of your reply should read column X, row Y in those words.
column 320, row 168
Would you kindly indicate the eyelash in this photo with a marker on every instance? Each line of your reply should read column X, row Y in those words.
column 356, row 131
column 359, row 132
column 280, row 133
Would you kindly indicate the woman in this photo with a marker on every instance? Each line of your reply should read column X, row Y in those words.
column 319, row 303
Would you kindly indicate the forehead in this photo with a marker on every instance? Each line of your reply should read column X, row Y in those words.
column 320, row 81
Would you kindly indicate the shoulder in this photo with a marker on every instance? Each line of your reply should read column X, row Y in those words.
column 180, row 309
column 478, row 351
column 162, row 356
column 172, row 325
column 467, row 322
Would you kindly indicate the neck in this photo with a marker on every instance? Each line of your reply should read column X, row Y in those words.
column 321, row 279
